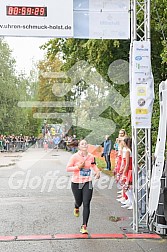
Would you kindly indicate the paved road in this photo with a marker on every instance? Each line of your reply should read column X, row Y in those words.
column 36, row 199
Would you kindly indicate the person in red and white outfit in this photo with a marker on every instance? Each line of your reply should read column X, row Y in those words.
column 126, row 178
column 118, row 167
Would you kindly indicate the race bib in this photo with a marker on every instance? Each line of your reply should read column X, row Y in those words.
column 85, row 172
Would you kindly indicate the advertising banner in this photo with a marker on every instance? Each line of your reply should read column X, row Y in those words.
column 102, row 19
column 142, row 85
column 36, row 18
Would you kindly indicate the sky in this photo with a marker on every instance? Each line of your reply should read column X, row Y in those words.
column 26, row 52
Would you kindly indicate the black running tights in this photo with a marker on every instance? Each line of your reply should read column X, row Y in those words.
column 83, row 194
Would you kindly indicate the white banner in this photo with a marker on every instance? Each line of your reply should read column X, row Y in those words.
column 142, row 85
column 36, row 18
column 99, row 19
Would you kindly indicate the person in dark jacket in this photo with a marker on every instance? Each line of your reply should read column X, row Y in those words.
column 107, row 144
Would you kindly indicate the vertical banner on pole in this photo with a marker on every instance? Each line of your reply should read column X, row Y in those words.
column 142, row 85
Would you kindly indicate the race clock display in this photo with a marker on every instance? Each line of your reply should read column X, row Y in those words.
column 26, row 11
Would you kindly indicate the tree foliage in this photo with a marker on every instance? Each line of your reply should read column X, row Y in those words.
column 99, row 54
column 13, row 88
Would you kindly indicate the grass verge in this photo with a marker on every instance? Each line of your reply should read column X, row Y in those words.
column 101, row 164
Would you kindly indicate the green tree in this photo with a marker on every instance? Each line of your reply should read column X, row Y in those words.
column 13, row 89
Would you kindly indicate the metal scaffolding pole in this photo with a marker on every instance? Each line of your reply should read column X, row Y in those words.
column 141, row 138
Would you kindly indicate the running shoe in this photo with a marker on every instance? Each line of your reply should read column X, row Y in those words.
column 76, row 212
column 124, row 206
column 126, row 202
column 121, row 199
column 83, row 229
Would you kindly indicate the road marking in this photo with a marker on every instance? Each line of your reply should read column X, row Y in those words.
column 77, row 236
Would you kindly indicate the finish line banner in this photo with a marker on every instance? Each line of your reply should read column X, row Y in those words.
column 142, row 85
column 36, row 18
column 84, row 19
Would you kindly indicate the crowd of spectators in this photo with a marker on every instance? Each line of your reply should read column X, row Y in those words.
column 16, row 143
column 12, row 143
column 67, row 142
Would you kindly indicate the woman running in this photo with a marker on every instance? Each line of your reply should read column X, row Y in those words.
column 81, row 164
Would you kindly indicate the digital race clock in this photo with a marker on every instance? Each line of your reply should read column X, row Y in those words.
column 26, row 11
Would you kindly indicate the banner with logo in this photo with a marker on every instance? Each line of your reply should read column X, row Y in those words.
column 102, row 19
column 142, row 85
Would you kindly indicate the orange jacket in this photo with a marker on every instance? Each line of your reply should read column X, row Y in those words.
column 72, row 166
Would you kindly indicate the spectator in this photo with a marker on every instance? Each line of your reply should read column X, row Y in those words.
column 107, row 151
column 45, row 144
column 56, row 141
column 126, row 174
column 116, row 144
column 73, row 144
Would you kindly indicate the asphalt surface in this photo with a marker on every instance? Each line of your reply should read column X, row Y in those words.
column 36, row 199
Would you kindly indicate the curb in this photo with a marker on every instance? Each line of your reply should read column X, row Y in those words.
column 77, row 236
